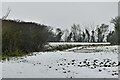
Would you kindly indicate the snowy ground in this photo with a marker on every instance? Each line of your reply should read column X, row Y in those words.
column 87, row 62
column 74, row 43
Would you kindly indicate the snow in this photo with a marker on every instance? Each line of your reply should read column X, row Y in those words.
column 74, row 43
column 65, row 64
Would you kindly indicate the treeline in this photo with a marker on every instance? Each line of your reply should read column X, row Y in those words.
column 99, row 34
column 77, row 35
column 19, row 36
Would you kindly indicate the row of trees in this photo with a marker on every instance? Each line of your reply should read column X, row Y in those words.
column 100, row 34
column 77, row 35
column 29, row 37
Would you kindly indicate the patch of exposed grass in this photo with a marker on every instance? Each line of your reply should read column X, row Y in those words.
column 64, row 47
column 61, row 47
column 7, row 56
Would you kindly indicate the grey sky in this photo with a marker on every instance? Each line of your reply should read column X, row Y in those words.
column 63, row 14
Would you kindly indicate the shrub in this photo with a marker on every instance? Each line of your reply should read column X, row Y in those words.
column 23, row 36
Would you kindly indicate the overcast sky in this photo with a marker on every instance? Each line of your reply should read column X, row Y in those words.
column 63, row 14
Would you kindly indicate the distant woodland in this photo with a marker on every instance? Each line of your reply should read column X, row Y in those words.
column 19, row 36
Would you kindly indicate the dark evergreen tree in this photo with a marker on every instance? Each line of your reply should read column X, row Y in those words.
column 83, row 37
column 58, row 36
column 69, row 37
column 93, row 36
column 99, row 35
column 88, row 35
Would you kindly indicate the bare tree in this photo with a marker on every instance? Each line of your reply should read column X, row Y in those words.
column 7, row 14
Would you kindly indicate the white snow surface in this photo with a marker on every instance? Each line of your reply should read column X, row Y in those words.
column 74, row 43
column 64, row 64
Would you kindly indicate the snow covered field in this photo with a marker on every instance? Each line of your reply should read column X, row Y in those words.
column 74, row 43
column 87, row 62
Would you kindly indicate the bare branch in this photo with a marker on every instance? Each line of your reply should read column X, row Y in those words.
column 7, row 14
